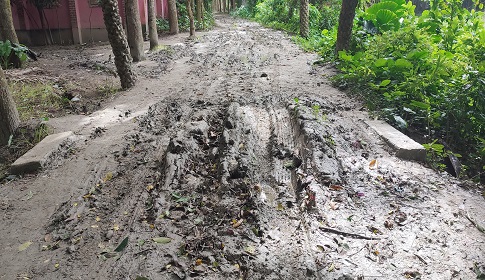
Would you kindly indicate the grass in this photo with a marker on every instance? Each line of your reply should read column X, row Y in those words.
column 36, row 100
column 107, row 89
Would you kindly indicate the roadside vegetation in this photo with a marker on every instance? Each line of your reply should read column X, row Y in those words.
column 425, row 74
column 206, row 22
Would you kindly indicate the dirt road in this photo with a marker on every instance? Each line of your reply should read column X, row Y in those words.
column 234, row 158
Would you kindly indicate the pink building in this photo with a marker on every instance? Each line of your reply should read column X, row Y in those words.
column 72, row 22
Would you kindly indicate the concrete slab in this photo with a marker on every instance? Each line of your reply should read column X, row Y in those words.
column 38, row 156
column 405, row 147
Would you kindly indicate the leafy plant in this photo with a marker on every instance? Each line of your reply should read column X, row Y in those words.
column 7, row 49
column 424, row 75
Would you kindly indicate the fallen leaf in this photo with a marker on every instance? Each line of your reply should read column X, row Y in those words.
column 116, row 227
column 108, row 177
column 321, row 248
column 388, row 224
column 376, row 252
column 98, row 219
column 150, row 187
column 56, row 266
column 198, row 262
column 250, row 250
column 374, row 230
column 24, row 246
column 333, row 205
column 280, row 207
column 29, row 196
column 238, row 223
column 162, row 240
column 373, row 164
column 336, row 188
column 122, row 245
column 94, row 226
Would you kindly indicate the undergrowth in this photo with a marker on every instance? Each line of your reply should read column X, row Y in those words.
column 37, row 100
column 184, row 22
column 423, row 74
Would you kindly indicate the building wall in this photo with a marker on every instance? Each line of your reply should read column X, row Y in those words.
column 73, row 22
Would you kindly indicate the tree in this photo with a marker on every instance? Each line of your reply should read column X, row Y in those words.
column 345, row 23
column 172, row 17
column 9, row 117
column 133, row 27
column 7, row 30
column 191, row 18
column 304, row 18
column 152, row 25
column 198, row 10
column 118, row 42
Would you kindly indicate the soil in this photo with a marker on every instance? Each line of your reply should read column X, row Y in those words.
column 233, row 158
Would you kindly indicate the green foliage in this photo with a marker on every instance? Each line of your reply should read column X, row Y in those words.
column 7, row 50
column 426, row 73
column 37, row 100
column 184, row 22
column 162, row 25
column 243, row 12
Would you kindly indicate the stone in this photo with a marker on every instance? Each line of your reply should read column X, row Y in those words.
column 39, row 155
column 405, row 147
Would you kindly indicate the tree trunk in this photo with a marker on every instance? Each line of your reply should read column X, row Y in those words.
column 7, row 30
column 346, row 21
column 223, row 5
column 152, row 25
column 191, row 18
column 172, row 17
column 198, row 11
column 233, row 5
column 9, row 117
column 118, row 42
column 304, row 18
column 133, row 30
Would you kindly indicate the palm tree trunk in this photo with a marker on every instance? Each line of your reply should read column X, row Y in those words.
column 9, row 116
column 118, row 42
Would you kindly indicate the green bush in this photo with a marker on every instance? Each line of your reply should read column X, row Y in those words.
column 184, row 22
column 7, row 50
column 426, row 74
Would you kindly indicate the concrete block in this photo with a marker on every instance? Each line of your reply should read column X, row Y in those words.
column 405, row 147
column 39, row 155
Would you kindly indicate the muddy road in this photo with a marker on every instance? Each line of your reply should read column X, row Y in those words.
column 234, row 158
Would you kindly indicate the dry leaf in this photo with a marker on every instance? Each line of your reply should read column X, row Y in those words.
column 150, row 187
column 373, row 164
column 198, row 262
column 24, row 246
column 116, row 227
column 333, row 205
column 108, row 177
column 250, row 250
column 98, row 219
column 162, row 240
column 238, row 223
column 336, row 188
column 280, row 207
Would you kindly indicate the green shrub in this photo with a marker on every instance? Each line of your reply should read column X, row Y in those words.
column 7, row 50
column 426, row 74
